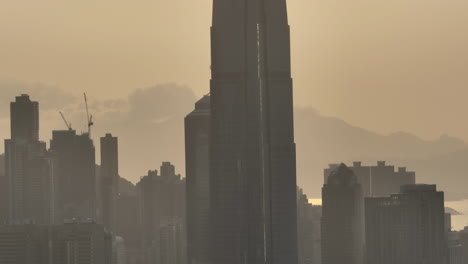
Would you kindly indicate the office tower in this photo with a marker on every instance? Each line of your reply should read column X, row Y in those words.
column 380, row 180
column 308, row 219
column 27, row 168
column 77, row 174
column 24, row 118
column 109, row 179
column 407, row 227
column 197, row 166
column 342, row 218
column 161, row 197
column 363, row 175
column 252, row 164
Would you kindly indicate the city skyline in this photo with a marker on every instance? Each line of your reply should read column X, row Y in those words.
column 420, row 57
column 311, row 126
column 204, row 132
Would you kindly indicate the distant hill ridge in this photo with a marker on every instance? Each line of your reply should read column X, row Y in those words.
column 321, row 140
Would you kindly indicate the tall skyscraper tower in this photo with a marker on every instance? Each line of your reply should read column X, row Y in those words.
column 252, row 170
column 109, row 178
column 197, row 164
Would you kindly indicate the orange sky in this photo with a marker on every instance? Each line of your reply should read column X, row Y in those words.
column 382, row 65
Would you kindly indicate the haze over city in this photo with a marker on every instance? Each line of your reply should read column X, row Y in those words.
column 378, row 65
column 234, row 132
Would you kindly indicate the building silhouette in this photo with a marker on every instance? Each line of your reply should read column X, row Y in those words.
column 309, row 238
column 161, row 200
column 342, row 218
column 197, row 166
column 252, row 164
column 77, row 174
column 109, row 179
column 407, row 227
column 380, row 180
column 29, row 169
column 128, row 226
column 24, row 119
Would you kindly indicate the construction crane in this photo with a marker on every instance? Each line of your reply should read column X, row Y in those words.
column 88, row 116
column 68, row 124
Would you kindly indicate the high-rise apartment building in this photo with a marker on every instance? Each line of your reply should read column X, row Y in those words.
column 109, row 179
column 408, row 227
column 342, row 218
column 77, row 174
column 161, row 197
column 252, row 164
column 197, row 166
column 29, row 170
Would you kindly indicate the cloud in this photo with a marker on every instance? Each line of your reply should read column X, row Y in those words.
column 50, row 98
column 160, row 102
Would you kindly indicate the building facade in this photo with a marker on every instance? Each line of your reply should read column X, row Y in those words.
column 161, row 198
column 29, row 169
column 197, row 166
column 342, row 218
column 72, row 243
column 76, row 157
column 252, row 149
column 309, row 237
column 408, row 227
column 109, row 179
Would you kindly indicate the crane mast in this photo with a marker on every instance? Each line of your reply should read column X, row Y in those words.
column 68, row 124
column 88, row 116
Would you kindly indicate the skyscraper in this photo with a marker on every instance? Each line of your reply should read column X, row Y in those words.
column 253, row 177
column 407, row 227
column 161, row 200
column 197, row 164
column 76, row 172
column 28, row 170
column 109, row 178
column 342, row 218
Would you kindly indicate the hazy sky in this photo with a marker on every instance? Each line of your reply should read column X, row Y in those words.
column 379, row 64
